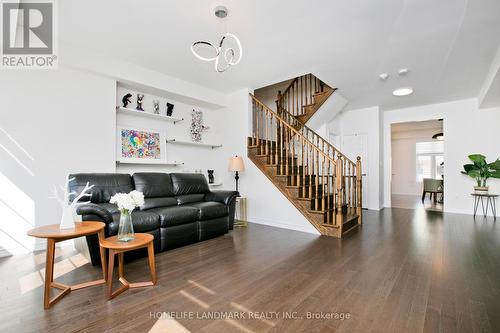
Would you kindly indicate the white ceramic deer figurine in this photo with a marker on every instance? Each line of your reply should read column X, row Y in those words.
column 68, row 209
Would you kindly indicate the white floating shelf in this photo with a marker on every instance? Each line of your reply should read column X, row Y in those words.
column 148, row 115
column 189, row 143
column 215, row 184
column 174, row 163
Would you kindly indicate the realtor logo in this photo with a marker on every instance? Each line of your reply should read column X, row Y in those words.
column 28, row 35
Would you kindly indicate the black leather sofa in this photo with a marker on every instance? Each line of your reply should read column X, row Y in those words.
column 179, row 208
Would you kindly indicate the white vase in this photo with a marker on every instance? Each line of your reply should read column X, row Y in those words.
column 67, row 219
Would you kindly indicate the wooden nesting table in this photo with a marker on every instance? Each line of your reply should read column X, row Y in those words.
column 116, row 247
column 54, row 234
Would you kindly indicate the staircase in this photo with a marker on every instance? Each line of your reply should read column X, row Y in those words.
column 303, row 97
column 321, row 182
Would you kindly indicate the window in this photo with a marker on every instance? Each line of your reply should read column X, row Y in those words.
column 430, row 160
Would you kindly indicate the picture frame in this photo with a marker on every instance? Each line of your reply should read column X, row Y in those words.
column 139, row 145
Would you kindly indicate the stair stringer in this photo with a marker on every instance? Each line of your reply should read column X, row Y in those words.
column 279, row 184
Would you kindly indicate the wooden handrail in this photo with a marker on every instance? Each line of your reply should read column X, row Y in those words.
column 290, row 127
column 289, row 86
column 319, row 137
column 331, row 184
column 299, row 93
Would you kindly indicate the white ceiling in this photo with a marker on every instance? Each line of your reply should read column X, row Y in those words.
column 447, row 44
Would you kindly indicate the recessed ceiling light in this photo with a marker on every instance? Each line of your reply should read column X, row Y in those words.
column 402, row 92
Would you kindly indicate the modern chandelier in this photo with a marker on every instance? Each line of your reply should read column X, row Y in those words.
column 224, row 57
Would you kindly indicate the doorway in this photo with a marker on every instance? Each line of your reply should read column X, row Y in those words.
column 417, row 180
column 352, row 146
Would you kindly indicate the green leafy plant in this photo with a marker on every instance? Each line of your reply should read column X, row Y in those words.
column 481, row 170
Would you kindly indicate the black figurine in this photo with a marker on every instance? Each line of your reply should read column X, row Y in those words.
column 170, row 109
column 210, row 176
column 126, row 100
column 140, row 97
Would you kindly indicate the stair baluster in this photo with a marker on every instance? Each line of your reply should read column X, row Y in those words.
column 323, row 181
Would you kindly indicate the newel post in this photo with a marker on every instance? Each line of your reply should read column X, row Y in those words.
column 339, row 177
column 359, row 192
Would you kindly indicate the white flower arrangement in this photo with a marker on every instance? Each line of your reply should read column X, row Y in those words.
column 127, row 202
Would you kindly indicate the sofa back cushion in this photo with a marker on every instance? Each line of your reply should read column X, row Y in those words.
column 105, row 185
column 153, row 184
column 189, row 183
column 188, row 198
column 159, row 202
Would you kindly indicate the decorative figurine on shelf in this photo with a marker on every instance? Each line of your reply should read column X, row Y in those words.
column 156, row 106
column 126, row 100
column 210, row 176
column 197, row 125
column 69, row 209
column 140, row 97
column 170, row 109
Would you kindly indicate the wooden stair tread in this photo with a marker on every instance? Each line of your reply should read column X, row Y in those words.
column 328, row 225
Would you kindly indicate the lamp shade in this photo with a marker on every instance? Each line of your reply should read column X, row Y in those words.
column 236, row 164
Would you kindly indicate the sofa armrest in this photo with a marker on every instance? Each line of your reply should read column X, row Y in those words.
column 224, row 197
column 95, row 210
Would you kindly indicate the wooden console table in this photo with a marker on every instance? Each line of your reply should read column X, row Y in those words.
column 54, row 234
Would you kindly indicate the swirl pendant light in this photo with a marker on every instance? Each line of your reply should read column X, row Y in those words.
column 223, row 57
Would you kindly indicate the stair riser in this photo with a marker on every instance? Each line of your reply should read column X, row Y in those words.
column 318, row 204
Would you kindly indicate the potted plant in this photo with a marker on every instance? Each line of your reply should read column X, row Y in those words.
column 480, row 170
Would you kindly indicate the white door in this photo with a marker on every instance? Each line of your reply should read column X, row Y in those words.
column 353, row 146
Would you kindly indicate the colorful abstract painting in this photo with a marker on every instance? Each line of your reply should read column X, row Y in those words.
column 140, row 144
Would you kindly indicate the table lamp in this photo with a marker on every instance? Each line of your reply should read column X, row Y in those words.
column 236, row 165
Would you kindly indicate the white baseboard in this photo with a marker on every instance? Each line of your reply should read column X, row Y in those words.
column 284, row 225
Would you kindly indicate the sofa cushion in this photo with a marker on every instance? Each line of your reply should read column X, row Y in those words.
column 159, row 202
column 170, row 216
column 153, row 184
column 111, row 208
column 213, row 227
column 105, row 185
column 209, row 209
column 179, row 235
column 141, row 220
column 188, row 198
column 189, row 183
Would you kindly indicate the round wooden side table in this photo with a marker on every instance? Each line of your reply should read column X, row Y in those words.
column 54, row 234
column 116, row 247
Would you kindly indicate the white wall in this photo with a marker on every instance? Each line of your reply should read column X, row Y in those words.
column 125, row 72
column 194, row 158
column 404, row 161
column 364, row 121
column 268, row 95
column 467, row 130
column 52, row 123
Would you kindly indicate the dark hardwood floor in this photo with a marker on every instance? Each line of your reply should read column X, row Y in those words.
column 403, row 271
